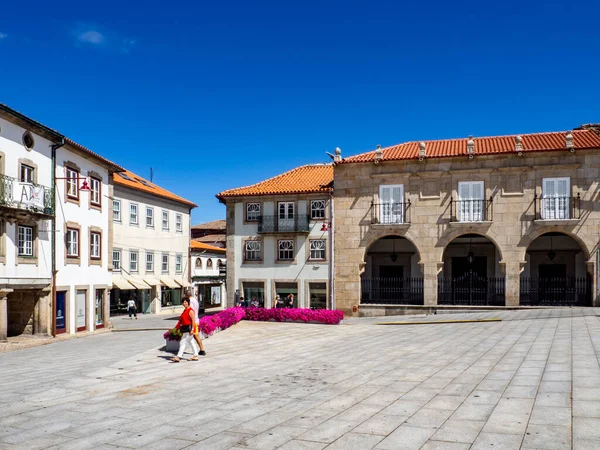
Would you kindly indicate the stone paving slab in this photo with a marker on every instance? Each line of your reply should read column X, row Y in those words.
column 531, row 381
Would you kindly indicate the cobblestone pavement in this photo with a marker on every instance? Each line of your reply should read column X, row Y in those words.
column 531, row 381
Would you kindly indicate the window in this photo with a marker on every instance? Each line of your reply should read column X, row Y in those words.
column 252, row 212
column 178, row 263
column 116, row 259
column 209, row 264
column 470, row 201
column 178, row 223
column 317, row 209
column 149, row 262
column 133, row 214
column 2, row 231
column 391, row 203
column 198, row 263
column 165, row 220
column 27, row 174
column 317, row 249
column 117, row 210
column 28, row 141
column 95, row 248
column 95, row 191
column 72, row 183
column 252, row 252
column 150, row 217
column 25, row 240
column 133, row 261
column 286, row 250
column 165, row 263
column 556, row 198
column 72, row 243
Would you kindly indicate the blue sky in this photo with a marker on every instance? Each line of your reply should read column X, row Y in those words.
column 216, row 95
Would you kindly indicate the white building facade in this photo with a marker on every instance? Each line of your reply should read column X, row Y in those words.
column 279, row 238
column 150, row 254
column 208, row 265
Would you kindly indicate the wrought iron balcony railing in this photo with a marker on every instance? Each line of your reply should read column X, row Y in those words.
column 390, row 213
column 275, row 224
column 30, row 197
column 557, row 208
column 471, row 210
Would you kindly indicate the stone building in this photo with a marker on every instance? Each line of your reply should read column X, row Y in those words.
column 491, row 221
column 208, row 271
column 212, row 233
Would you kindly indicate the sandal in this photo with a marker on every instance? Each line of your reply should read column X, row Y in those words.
column 193, row 358
column 175, row 359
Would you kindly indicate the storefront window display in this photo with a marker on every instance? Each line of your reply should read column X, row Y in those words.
column 170, row 297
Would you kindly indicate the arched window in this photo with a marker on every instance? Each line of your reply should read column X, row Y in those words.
column 209, row 264
column 198, row 263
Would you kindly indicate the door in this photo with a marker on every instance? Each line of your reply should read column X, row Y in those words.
column 80, row 316
column 470, row 201
column 469, row 281
column 553, row 284
column 392, row 203
column 99, row 308
column 391, row 284
column 555, row 198
column 286, row 216
column 391, row 271
column 61, row 324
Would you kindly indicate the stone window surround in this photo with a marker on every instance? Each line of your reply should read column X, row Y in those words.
column 120, row 259
column 286, row 238
column 73, row 259
column 67, row 291
column 69, row 165
column 325, row 218
column 307, row 284
column 260, row 210
column 95, row 176
column 27, row 259
column 94, row 261
column 296, row 281
column 2, row 241
column 264, row 282
column 262, row 250
column 26, row 134
column 105, row 300
column 30, row 163
column 85, row 288
column 317, row 261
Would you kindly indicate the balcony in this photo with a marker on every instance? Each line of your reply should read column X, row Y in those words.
column 20, row 199
column 275, row 224
column 391, row 213
column 558, row 210
column 471, row 211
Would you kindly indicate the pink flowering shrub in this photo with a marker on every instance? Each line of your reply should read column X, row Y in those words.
column 296, row 314
column 221, row 321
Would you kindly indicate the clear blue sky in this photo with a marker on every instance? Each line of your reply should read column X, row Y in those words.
column 216, row 95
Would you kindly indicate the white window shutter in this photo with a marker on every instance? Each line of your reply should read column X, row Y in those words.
column 477, row 190
column 464, row 191
column 561, row 188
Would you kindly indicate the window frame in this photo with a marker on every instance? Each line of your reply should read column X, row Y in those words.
column 310, row 250
column 324, row 216
column 247, row 216
column 151, row 217
column 246, row 250
column 117, row 202
column 29, row 170
column 279, row 250
column 32, row 242
column 69, row 182
column 164, row 211
column 162, row 263
column 179, row 262
column 98, row 181
column 469, row 213
column 131, row 261
column 178, row 223
column 69, row 242
column 94, row 234
column 118, row 252
column 150, row 261
column 137, row 214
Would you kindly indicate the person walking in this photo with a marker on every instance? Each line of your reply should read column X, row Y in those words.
column 196, row 307
column 185, row 325
column 276, row 302
column 289, row 303
column 132, row 308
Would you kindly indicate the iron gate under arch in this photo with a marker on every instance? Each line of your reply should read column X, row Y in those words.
column 392, row 291
column 471, row 289
column 556, row 291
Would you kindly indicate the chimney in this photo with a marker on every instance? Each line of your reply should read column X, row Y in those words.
column 595, row 127
column 471, row 147
column 518, row 143
column 338, row 155
column 569, row 141
column 422, row 150
column 378, row 154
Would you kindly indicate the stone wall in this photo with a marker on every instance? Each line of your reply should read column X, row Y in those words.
column 29, row 312
column 511, row 180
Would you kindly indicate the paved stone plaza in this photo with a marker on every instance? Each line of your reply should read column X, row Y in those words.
column 531, row 381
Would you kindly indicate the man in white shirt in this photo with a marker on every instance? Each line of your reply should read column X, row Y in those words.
column 196, row 306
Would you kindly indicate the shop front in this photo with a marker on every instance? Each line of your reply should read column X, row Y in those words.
column 170, row 294
column 210, row 293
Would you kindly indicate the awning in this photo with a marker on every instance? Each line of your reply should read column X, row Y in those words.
column 152, row 281
column 183, row 283
column 138, row 284
column 121, row 283
column 169, row 282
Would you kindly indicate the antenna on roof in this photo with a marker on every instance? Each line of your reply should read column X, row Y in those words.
column 152, row 169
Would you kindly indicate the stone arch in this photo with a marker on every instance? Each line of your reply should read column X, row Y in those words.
column 451, row 236
column 373, row 236
column 532, row 236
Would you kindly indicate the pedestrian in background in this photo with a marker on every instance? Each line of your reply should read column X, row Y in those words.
column 289, row 301
column 185, row 324
column 276, row 302
column 196, row 307
column 132, row 308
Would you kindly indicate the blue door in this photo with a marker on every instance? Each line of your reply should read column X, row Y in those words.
column 60, row 312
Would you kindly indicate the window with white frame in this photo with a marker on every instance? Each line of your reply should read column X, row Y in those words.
column 252, row 252
column 133, row 261
column 285, row 250
column 252, row 212
column 165, row 220
column 391, row 203
column 27, row 174
column 149, row 217
column 178, row 223
column 317, row 209
column 178, row 263
column 555, row 203
column 165, row 263
column 133, row 214
column 72, row 183
column 117, row 210
column 470, row 201
column 198, row 263
column 95, row 191
column 25, row 240
column 72, row 243
column 209, row 264
column 149, row 262
column 116, row 260
column 95, row 239
column 317, row 249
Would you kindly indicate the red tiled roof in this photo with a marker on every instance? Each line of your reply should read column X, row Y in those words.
column 114, row 167
column 553, row 141
column 195, row 245
column 301, row 180
column 212, row 238
column 131, row 180
column 214, row 225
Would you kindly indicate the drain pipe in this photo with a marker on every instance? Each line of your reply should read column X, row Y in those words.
column 332, row 259
column 54, row 147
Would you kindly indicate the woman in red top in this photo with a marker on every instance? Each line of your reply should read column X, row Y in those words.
column 185, row 325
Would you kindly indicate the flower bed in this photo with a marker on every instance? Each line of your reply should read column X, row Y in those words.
column 295, row 314
column 210, row 324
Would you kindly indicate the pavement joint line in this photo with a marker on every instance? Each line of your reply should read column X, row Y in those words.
column 140, row 329
column 432, row 322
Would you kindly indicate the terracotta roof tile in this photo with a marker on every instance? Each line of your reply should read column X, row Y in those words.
column 212, row 238
column 553, row 141
column 131, row 180
column 301, row 180
column 195, row 245
column 214, row 225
